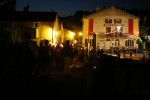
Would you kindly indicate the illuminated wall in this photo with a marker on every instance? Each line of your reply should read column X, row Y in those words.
column 46, row 31
column 68, row 35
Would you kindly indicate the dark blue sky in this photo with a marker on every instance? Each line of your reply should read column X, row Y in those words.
column 69, row 7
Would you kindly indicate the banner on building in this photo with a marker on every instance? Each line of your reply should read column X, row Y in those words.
column 61, row 28
column 130, row 26
column 90, row 31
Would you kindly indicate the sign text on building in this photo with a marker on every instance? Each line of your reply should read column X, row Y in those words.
column 113, row 24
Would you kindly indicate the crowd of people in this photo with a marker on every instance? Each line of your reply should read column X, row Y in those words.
column 60, row 57
column 27, row 58
column 23, row 60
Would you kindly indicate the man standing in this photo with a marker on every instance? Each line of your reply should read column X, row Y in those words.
column 67, row 53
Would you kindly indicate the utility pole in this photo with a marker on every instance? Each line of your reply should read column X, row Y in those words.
column 94, row 48
column 88, row 47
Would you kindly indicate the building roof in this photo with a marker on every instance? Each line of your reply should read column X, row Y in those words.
column 28, row 16
column 69, row 23
column 110, row 11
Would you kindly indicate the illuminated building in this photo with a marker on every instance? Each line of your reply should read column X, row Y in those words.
column 41, row 25
column 114, row 28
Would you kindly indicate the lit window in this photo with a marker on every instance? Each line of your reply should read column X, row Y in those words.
column 36, row 24
column 129, row 43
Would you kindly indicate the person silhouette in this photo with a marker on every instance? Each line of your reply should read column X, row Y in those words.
column 24, row 58
column 45, row 56
column 67, row 53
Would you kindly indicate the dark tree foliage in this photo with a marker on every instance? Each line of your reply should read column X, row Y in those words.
column 79, row 15
column 5, row 37
column 8, row 5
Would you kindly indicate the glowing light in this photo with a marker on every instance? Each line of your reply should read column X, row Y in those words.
column 75, row 41
column 61, row 45
column 70, row 66
column 118, row 28
column 54, row 44
column 72, row 34
column 37, row 33
column 49, row 34
column 80, row 33
column 45, row 32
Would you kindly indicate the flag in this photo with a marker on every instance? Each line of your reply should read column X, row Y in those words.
column 91, row 22
column 61, row 28
column 130, row 26
column 61, row 33
column 56, row 24
column 56, row 33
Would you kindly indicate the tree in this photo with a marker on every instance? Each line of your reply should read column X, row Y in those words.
column 8, row 5
column 139, row 42
column 79, row 15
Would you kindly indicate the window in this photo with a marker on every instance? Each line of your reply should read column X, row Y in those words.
column 108, row 29
column 108, row 20
column 117, row 20
column 117, row 43
column 129, row 43
column 36, row 24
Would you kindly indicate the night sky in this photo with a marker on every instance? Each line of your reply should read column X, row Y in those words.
column 69, row 7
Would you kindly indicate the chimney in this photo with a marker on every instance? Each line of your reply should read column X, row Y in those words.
column 97, row 8
column 26, row 9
